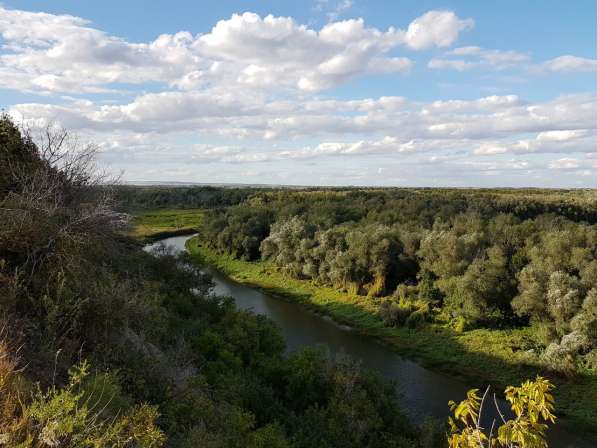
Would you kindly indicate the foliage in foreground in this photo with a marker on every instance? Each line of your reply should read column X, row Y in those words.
column 69, row 416
column 532, row 405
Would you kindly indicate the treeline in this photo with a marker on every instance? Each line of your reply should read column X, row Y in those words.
column 576, row 205
column 466, row 258
column 102, row 344
column 129, row 197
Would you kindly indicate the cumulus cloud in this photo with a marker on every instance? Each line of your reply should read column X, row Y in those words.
column 486, row 126
column 248, row 92
column 45, row 52
column 62, row 53
column 558, row 141
column 435, row 28
column 274, row 51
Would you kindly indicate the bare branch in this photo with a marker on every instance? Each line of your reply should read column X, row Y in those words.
column 478, row 423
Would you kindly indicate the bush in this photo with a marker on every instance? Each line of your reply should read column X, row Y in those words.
column 404, row 312
column 419, row 316
column 395, row 314
column 460, row 324
column 544, row 332
column 560, row 359
column 71, row 416
column 270, row 436
column 590, row 360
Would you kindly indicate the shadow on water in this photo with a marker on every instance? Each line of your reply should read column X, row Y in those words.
column 423, row 393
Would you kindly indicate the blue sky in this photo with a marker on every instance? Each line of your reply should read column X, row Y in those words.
column 336, row 92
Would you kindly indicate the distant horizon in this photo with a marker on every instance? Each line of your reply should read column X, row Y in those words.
column 323, row 92
column 140, row 183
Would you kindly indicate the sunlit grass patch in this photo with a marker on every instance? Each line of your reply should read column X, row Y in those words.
column 151, row 222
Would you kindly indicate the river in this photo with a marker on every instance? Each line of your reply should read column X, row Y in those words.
column 423, row 393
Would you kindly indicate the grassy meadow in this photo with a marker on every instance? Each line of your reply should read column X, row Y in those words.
column 157, row 223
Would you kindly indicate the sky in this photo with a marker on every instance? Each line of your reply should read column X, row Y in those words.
column 323, row 92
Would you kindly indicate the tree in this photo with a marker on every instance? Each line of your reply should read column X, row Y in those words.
column 585, row 321
column 288, row 246
column 484, row 288
column 564, row 299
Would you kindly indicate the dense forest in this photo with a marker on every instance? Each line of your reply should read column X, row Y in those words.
column 463, row 258
column 130, row 197
column 105, row 345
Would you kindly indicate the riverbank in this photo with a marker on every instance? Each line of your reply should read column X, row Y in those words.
column 479, row 357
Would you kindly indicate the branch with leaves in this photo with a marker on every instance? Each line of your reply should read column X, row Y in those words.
column 532, row 404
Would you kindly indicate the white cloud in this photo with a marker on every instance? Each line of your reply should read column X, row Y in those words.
column 417, row 162
column 470, row 57
column 393, row 125
column 489, row 149
column 452, row 64
column 566, row 163
column 466, row 51
column 243, row 93
column 60, row 53
column 341, row 7
column 46, row 52
column 386, row 146
column 570, row 63
column 296, row 56
column 436, row 28
column 558, row 141
column 473, row 57
column 562, row 136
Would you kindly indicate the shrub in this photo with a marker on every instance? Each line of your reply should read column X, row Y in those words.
column 395, row 314
column 460, row 324
column 419, row 316
column 270, row 436
column 69, row 416
column 590, row 360
column 560, row 359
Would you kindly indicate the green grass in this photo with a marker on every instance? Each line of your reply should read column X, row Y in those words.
column 159, row 222
column 479, row 357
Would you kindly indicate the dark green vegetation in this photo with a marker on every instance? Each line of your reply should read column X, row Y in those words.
column 105, row 345
column 492, row 285
column 134, row 197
